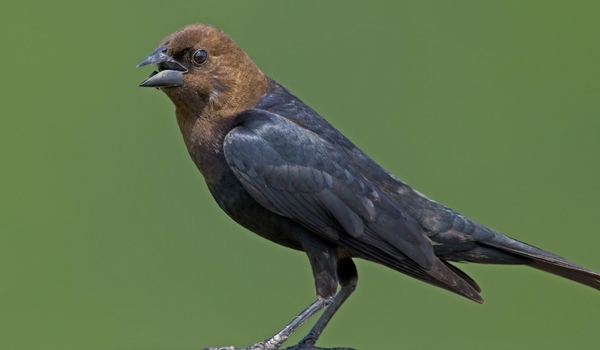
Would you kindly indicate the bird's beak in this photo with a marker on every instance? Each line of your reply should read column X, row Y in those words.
column 170, row 72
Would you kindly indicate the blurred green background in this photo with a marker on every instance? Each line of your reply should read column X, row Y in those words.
column 110, row 240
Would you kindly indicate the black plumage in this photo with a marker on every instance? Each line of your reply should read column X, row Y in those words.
column 282, row 171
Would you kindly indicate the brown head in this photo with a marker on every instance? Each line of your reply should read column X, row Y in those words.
column 205, row 73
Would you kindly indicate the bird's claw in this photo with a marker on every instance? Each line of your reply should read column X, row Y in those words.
column 263, row 346
column 304, row 345
column 312, row 347
column 257, row 346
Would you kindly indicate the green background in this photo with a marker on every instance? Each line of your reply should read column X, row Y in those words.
column 110, row 240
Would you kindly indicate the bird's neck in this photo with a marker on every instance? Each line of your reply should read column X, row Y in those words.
column 204, row 119
column 238, row 89
column 204, row 132
column 203, row 138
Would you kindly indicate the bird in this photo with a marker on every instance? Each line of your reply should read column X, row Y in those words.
column 280, row 170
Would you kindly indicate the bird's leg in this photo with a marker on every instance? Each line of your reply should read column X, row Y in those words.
column 323, row 262
column 348, row 277
column 278, row 339
column 275, row 342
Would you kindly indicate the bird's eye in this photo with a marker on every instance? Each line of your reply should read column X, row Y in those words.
column 200, row 56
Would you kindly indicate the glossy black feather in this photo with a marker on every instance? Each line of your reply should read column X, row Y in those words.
column 295, row 173
column 311, row 153
column 279, row 169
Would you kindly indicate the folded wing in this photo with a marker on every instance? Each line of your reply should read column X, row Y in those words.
column 293, row 172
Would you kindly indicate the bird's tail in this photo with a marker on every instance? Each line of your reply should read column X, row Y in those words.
column 545, row 261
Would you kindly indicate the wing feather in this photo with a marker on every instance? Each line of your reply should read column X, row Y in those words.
column 295, row 173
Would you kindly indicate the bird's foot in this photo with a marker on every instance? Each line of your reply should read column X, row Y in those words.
column 305, row 345
column 258, row 346
column 269, row 344
column 296, row 347
column 265, row 346
column 312, row 347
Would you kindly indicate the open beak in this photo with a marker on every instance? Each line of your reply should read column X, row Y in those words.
column 170, row 72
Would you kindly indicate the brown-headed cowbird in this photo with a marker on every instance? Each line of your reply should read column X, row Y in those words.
column 282, row 171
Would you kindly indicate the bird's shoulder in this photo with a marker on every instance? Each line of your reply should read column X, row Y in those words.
column 297, row 173
column 431, row 215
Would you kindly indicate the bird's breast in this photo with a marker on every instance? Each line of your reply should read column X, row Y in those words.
column 234, row 200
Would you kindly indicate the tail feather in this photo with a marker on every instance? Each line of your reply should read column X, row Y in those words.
column 588, row 278
column 456, row 281
column 546, row 261
column 463, row 275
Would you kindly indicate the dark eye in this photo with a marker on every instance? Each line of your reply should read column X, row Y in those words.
column 200, row 56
